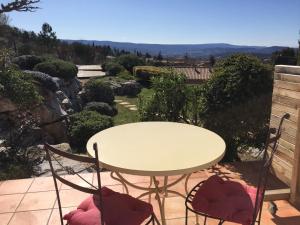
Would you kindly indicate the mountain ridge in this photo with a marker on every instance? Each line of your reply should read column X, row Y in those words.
column 193, row 50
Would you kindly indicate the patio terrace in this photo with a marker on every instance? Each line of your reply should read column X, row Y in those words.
column 33, row 201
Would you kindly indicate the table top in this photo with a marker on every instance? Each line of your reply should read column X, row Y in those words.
column 157, row 148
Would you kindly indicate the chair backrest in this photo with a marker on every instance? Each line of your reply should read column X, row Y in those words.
column 53, row 154
column 269, row 152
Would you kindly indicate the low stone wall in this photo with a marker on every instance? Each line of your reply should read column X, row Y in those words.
column 286, row 99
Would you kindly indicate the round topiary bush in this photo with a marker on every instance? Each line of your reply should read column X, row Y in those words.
column 27, row 62
column 112, row 68
column 102, row 108
column 58, row 68
column 129, row 61
column 98, row 91
column 84, row 125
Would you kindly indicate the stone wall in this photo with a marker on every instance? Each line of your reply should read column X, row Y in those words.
column 286, row 99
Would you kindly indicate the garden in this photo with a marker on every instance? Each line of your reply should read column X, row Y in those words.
column 46, row 98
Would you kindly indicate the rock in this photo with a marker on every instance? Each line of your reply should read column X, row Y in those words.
column 44, row 79
column 65, row 147
column 70, row 111
column 71, row 88
column 51, row 110
column 102, row 108
column 7, row 105
column 66, row 103
column 34, row 136
column 58, row 131
column 131, row 88
column 61, row 95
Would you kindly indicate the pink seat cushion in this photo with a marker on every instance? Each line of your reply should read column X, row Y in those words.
column 227, row 200
column 118, row 209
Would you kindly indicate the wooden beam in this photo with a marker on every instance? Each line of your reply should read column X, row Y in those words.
column 279, row 194
column 295, row 182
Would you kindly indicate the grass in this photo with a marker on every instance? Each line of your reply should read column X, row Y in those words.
column 124, row 114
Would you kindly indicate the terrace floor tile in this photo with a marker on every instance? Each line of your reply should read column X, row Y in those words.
column 39, row 217
column 9, row 203
column 79, row 181
column 43, row 184
column 15, row 186
column 55, row 218
column 38, row 200
column 71, row 198
column 4, row 218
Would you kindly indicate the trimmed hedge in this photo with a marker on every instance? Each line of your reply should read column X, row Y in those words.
column 145, row 73
column 27, row 62
column 102, row 108
column 58, row 68
column 98, row 91
column 84, row 125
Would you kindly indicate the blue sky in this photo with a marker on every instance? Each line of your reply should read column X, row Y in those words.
column 246, row 22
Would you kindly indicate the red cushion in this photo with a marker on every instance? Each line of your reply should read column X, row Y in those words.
column 227, row 200
column 118, row 209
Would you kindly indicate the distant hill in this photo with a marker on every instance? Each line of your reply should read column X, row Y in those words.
column 193, row 50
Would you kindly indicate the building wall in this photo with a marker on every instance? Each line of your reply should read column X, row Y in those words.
column 286, row 99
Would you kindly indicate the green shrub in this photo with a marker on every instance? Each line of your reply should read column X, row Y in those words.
column 84, row 125
column 145, row 73
column 236, row 102
column 129, row 61
column 102, row 108
column 168, row 100
column 112, row 68
column 58, row 68
column 19, row 88
column 15, row 171
column 27, row 62
column 125, row 75
column 98, row 91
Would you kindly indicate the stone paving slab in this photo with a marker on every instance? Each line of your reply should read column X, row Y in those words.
column 90, row 73
column 89, row 67
column 124, row 103
column 133, row 108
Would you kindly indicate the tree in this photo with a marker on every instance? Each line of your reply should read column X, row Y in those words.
column 4, row 19
column 47, row 36
column 129, row 61
column 286, row 56
column 212, row 61
column 20, row 6
column 159, row 57
column 236, row 102
column 298, row 62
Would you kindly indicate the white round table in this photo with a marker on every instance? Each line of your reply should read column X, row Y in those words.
column 157, row 149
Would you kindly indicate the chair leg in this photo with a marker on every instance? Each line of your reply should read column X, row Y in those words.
column 186, row 216
column 221, row 222
column 197, row 219
column 205, row 220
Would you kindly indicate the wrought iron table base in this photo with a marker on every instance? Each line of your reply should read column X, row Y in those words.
column 160, row 192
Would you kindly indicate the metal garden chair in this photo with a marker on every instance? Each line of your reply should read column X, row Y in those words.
column 229, row 200
column 104, row 206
